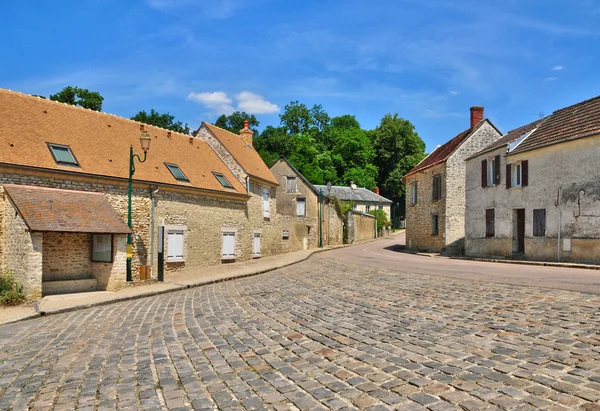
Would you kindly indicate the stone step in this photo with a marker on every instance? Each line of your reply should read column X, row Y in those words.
column 69, row 286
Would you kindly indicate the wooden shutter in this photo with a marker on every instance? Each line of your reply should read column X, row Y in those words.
column 489, row 223
column 228, row 250
column 266, row 195
column 497, row 170
column 508, row 177
column 524, row 173
column 301, row 206
column 539, row 222
column 256, row 244
column 483, row 173
column 175, row 245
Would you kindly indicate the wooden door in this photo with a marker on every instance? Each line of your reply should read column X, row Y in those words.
column 521, row 230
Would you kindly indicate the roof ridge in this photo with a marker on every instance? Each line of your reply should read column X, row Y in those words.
column 575, row 105
column 71, row 106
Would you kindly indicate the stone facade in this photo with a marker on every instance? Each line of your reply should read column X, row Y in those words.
column 360, row 226
column 368, row 207
column 450, row 208
column 557, row 175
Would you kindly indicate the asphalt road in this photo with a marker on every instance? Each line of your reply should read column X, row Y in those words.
column 382, row 254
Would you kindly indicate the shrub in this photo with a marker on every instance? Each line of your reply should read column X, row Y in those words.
column 382, row 220
column 11, row 292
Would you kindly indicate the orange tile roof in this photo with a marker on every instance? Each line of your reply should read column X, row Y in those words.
column 100, row 143
column 50, row 209
column 245, row 155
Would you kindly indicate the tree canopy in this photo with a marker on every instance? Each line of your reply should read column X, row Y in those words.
column 79, row 97
column 161, row 120
column 235, row 122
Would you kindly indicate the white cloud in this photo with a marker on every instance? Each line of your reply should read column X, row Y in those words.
column 249, row 102
column 557, row 68
column 255, row 104
column 217, row 9
column 453, row 92
column 551, row 79
column 217, row 101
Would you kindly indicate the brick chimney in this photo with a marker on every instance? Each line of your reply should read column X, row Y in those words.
column 376, row 190
column 246, row 134
column 476, row 115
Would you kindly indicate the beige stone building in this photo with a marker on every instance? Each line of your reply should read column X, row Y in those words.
column 544, row 203
column 208, row 212
column 435, row 189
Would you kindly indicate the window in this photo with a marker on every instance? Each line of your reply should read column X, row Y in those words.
column 62, row 154
column 290, row 186
column 266, row 196
column 490, row 172
column 380, row 207
column 519, row 174
column 437, row 187
column 489, row 223
column 175, row 246
column 301, row 206
column 223, row 180
column 177, row 173
column 256, row 245
column 354, row 206
column 367, row 208
column 414, row 188
column 435, row 224
column 228, row 248
column 539, row 222
column 102, row 248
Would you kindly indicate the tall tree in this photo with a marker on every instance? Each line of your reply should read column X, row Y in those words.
column 79, row 97
column 235, row 122
column 161, row 120
column 398, row 148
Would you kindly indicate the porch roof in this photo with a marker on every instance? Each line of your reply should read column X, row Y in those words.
column 50, row 209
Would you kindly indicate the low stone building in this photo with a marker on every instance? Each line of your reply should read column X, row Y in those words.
column 435, row 190
column 362, row 199
column 208, row 215
column 544, row 202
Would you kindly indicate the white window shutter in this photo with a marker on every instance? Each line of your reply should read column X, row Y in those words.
column 300, row 206
column 256, row 244
column 228, row 249
column 266, row 195
column 175, row 245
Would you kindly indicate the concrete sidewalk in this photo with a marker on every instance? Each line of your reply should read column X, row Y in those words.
column 55, row 304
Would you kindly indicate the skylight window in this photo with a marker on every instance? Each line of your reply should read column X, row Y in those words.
column 62, row 154
column 223, row 180
column 177, row 173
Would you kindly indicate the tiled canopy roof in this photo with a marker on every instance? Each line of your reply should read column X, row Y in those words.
column 353, row 194
column 100, row 143
column 245, row 155
column 49, row 209
column 576, row 121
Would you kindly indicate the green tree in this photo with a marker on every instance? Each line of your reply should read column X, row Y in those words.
column 161, row 120
column 79, row 97
column 235, row 122
column 296, row 118
column 398, row 148
column 382, row 219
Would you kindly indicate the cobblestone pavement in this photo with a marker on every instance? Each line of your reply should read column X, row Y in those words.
column 317, row 335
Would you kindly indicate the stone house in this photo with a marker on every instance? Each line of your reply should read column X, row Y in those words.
column 362, row 199
column 544, row 202
column 207, row 214
column 435, row 189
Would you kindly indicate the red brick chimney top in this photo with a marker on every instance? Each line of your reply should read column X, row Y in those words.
column 245, row 124
column 476, row 115
column 376, row 190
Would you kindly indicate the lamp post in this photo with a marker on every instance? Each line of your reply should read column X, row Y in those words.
column 145, row 143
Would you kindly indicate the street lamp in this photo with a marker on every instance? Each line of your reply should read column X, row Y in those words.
column 145, row 143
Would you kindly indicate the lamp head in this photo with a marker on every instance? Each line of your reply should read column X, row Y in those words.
column 145, row 141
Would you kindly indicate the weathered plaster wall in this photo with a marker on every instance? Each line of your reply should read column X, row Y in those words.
column 361, row 227
column 568, row 167
column 286, row 202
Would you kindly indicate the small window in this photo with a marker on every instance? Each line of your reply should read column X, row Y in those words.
column 539, row 222
column 489, row 223
column 256, row 245
column 414, row 189
column 175, row 246
column 177, row 173
column 223, row 180
column 437, row 187
column 301, row 206
column 290, row 186
column 380, row 207
column 102, row 248
column 228, row 249
column 62, row 154
column 367, row 208
column 435, row 224
column 354, row 206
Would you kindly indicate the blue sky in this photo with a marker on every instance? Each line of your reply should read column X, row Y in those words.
column 427, row 60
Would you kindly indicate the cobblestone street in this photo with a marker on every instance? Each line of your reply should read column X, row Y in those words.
column 318, row 335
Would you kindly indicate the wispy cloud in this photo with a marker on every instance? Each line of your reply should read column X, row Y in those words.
column 218, row 9
column 221, row 103
column 453, row 92
column 558, row 68
column 551, row 79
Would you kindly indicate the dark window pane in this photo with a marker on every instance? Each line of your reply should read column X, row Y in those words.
column 489, row 223
column 63, row 154
column 177, row 173
column 539, row 222
column 223, row 180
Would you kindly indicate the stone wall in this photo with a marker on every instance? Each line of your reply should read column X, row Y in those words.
column 333, row 227
column 22, row 252
column 286, row 202
column 66, row 256
column 455, row 183
column 557, row 174
column 360, row 226
column 223, row 154
column 112, row 276
column 419, row 216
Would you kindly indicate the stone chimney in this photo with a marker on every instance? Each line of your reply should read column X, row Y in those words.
column 376, row 190
column 476, row 115
column 246, row 134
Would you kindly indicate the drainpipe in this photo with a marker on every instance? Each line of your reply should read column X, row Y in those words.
column 321, row 218
column 559, row 223
column 152, row 193
column 248, row 184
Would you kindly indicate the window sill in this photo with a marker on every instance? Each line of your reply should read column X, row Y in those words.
column 176, row 260
column 228, row 258
column 256, row 256
column 267, row 218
